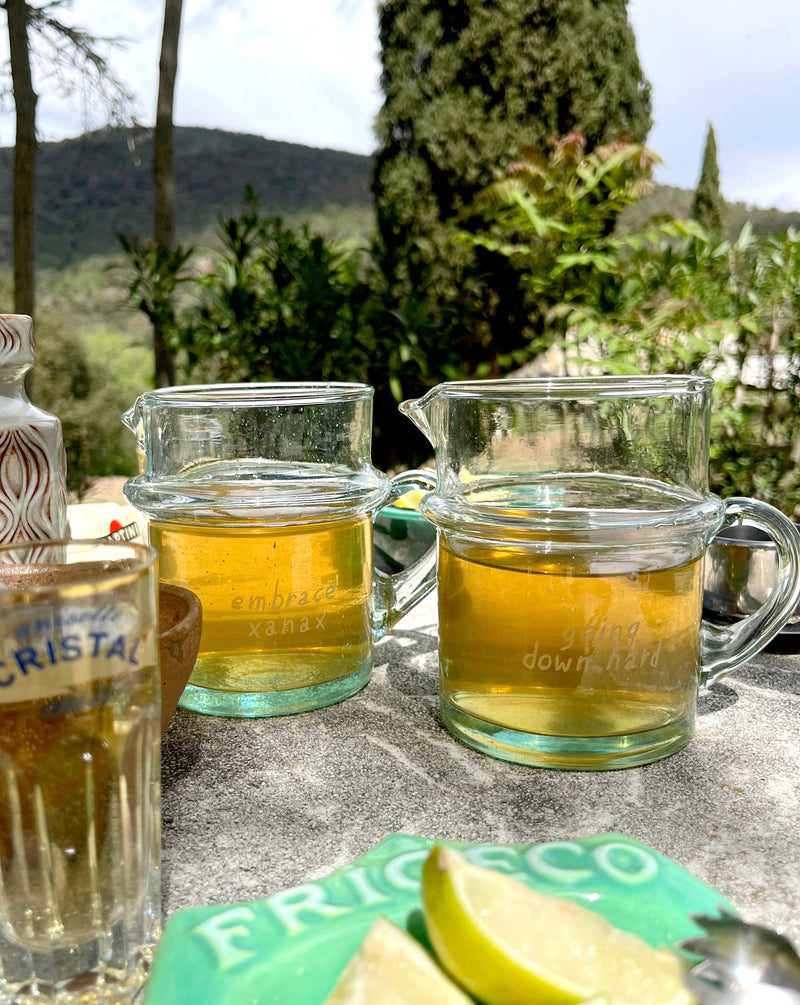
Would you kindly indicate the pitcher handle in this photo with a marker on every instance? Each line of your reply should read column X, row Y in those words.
column 395, row 595
column 726, row 647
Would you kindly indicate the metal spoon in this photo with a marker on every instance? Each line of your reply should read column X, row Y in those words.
column 745, row 964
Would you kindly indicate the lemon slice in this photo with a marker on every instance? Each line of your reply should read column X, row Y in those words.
column 510, row 945
column 392, row 968
column 409, row 501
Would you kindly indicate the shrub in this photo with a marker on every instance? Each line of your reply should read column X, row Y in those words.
column 87, row 399
column 279, row 303
column 666, row 298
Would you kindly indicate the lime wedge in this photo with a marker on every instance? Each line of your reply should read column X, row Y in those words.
column 510, row 945
column 392, row 968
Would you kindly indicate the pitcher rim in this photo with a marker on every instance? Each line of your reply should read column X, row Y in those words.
column 639, row 385
column 285, row 392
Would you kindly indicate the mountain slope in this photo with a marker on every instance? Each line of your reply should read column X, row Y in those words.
column 98, row 185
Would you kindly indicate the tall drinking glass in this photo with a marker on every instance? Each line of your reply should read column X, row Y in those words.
column 79, row 771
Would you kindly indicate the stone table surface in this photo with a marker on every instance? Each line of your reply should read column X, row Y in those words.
column 253, row 806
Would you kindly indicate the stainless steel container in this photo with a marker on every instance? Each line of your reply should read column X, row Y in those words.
column 741, row 568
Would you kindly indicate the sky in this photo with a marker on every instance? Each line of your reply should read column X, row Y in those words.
column 307, row 71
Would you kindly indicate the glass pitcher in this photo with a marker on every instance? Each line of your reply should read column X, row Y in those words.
column 260, row 499
column 573, row 515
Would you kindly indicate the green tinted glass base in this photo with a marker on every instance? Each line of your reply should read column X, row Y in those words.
column 568, row 753
column 260, row 704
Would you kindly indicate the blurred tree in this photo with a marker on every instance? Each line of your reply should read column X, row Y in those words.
column 84, row 395
column 164, row 172
column 467, row 86
column 37, row 35
column 708, row 207
column 24, row 155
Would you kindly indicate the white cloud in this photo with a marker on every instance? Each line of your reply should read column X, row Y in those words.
column 300, row 72
column 304, row 71
column 732, row 63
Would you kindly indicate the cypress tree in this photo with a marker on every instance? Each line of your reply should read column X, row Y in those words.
column 708, row 207
column 467, row 85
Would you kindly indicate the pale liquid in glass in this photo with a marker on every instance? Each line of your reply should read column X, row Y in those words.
column 79, row 827
column 543, row 645
column 283, row 607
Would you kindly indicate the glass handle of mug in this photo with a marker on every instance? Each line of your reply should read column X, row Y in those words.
column 727, row 647
column 394, row 595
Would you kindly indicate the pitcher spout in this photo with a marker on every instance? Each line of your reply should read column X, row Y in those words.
column 419, row 411
column 133, row 418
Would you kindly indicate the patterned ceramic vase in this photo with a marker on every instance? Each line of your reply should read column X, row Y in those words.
column 33, row 489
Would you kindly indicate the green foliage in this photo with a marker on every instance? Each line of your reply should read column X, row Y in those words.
column 126, row 362
column 88, row 397
column 157, row 275
column 757, row 449
column 413, row 329
column 93, row 187
column 669, row 201
column 285, row 304
column 552, row 217
column 278, row 303
column 86, row 372
column 87, row 376
column 467, row 85
column 708, row 207
column 667, row 298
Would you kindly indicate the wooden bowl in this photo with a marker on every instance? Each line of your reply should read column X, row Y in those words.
column 180, row 621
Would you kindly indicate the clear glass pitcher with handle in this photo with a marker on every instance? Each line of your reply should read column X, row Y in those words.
column 260, row 498
column 573, row 515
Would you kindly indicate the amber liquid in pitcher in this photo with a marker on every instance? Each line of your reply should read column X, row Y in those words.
column 284, row 607
column 546, row 645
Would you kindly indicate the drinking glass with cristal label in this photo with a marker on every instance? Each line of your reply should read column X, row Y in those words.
column 79, row 772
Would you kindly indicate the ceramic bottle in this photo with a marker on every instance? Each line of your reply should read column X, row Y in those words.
column 33, row 487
